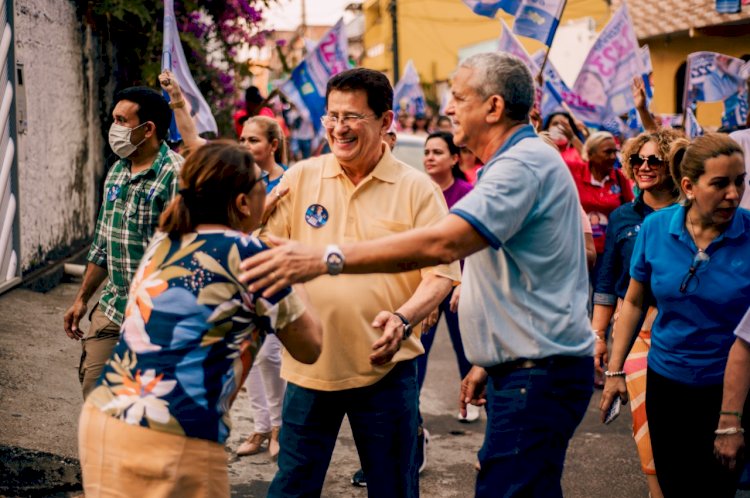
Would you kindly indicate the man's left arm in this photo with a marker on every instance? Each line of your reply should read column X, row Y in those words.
column 429, row 294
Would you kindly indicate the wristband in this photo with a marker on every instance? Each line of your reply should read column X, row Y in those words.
column 729, row 431
column 619, row 373
column 177, row 104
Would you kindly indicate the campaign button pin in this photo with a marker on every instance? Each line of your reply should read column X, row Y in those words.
column 316, row 215
column 113, row 193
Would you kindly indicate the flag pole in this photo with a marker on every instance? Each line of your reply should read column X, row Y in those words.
column 549, row 47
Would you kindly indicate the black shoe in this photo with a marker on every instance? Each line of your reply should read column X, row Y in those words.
column 358, row 479
column 423, row 439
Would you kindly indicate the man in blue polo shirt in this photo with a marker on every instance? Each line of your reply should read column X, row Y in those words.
column 525, row 286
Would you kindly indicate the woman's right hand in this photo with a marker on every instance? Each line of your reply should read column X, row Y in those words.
column 613, row 386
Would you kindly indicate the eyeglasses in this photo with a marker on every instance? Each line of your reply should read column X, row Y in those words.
column 700, row 258
column 636, row 161
column 330, row 121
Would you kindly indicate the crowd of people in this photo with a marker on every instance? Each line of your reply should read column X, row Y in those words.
column 560, row 257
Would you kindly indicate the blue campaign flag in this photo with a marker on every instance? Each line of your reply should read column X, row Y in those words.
column 489, row 8
column 728, row 6
column 538, row 19
column 306, row 86
column 407, row 94
column 713, row 77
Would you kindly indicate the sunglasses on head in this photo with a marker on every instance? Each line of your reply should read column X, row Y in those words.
column 636, row 161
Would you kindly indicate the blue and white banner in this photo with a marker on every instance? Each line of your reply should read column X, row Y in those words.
column 612, row 63
column 728, row 6
column 713, row 77
column 173, row 59
column 407, row 94
column 489, row 8
column 510, row 44
column 538, row 19
column 556, row 93
column 692, row 128
column 306, row 87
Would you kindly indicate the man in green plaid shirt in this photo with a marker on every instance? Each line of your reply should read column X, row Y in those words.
column 138, row 188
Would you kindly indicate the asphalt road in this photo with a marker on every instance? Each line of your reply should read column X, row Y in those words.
column 40, row 400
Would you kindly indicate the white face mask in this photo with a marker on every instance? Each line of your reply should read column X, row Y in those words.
column 119, row 140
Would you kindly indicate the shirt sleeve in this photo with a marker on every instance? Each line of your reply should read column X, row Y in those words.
column 640, row 268
column 500, row 203
column 743, row 329
column 278, row 222
column 430, row 209
column 604, row 288
column 278, row 310
column 98, row 251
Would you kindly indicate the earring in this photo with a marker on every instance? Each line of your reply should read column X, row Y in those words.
column 690, row 197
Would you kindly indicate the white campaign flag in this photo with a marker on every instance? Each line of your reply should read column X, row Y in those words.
column 612, row 63
column 173, row 59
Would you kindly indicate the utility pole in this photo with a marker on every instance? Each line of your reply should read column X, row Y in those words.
column 393, row 10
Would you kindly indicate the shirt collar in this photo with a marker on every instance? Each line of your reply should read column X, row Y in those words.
column 737, row 227
column 386, row 170
column 155, row 168
column 524, row 131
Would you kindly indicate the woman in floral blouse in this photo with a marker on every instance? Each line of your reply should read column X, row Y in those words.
column 156, row 422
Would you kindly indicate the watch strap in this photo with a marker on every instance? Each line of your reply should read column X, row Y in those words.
column 407, row 325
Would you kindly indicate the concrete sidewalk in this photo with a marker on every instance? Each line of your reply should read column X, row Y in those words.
column 40, row 400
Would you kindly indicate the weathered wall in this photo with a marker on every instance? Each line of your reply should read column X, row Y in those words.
column 60, row 159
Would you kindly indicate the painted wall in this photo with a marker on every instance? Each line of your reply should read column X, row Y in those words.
column 60, row 162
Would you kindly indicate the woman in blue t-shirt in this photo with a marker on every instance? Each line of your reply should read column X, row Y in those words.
column 157, row 421
column 693, row 259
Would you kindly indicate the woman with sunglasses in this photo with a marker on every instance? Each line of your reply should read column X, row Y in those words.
column 157, row 421
column 645, row 162
column 692, row 258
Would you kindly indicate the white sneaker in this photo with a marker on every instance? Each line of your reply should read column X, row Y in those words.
column 472, row 414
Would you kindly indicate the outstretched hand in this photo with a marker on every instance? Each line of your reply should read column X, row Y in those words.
column 286, row 263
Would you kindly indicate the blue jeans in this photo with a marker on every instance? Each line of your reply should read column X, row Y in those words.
column 532, row 414
column 428, row 336
column 383, row 418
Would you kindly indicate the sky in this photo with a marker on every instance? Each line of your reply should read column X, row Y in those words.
column 287, row 14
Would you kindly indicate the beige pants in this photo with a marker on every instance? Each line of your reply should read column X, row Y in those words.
column 97, row 346
column 123, row 460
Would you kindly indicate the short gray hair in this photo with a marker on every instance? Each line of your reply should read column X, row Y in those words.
column 505, row 75
column 594, row 141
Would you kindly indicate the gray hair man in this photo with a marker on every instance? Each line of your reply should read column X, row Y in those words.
column 525, row 287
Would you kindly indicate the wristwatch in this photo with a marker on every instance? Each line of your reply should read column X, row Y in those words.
column 334, row 259
column 407, row 325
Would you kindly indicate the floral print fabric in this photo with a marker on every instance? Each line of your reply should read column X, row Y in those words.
column 190, row 333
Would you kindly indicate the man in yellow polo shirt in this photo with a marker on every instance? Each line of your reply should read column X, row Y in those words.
column 367, row 369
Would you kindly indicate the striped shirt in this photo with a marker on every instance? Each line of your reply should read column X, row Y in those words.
column 127, row 219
